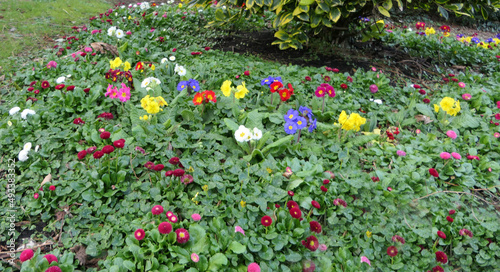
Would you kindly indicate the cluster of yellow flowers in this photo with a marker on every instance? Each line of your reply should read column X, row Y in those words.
column 352, row 122
column 429, row 31
column 487, row 44
column 116, row 63
column 240, row 91
column 153, row 104
column 449, row 105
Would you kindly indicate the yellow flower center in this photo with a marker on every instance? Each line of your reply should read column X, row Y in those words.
column 320, row 92
column 139, row 234
column 311, row 243
column 290, row 116
column 290, row 127
column 124, row 95
column 242, row 134
column 181, row 235
column 299, row 123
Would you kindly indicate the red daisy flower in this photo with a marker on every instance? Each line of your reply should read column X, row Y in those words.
column 437, row 269
column 51, row 258
column 82, row 154
column 157, row 209
column 179, row 172
column 186, row 179
column 70, row 88
column 169, row 173
column 119, row 143
column 441, row 234
column 149, row 165
column 467, row 232
column 397, row 238
column 108, row 149
column 324, row 189
column 27, row 254
column 45, row 84
column 315, row 204
column 173, row 218
column 105, row 135
column 339, row 201
column 449, row 219
column 315, row 226
column 165, row 228
column 266, row 221
column 295, row 212
column 292, row 204
column 139, row 234
column 326, row 181
column 451, row 212
column 174, row 161
column 98, row 154
column 441, row 257
column 343, row 86
column 290, row 193
column 60, row 86
column 433, row 172
column 182, row 236
column 52, row 187
column 53, row 269
column 392, row 251
column 311, row 243
column 308, row 266
column 158, row 167
column 78, row 121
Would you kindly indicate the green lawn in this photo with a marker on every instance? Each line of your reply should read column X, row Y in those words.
column 28, row 26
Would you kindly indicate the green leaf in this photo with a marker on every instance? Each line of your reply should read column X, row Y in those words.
column 363, row 139
column 231, row 124
column 219, row 15
column 443, row 12
column 217, row 262
column 306, row 2
column 383, row 11
column 282, row 35
column 237, row 248
column 249, row 4
column 294, row 184
column 277, row 143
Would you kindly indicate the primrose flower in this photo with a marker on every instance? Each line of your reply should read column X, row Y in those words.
column 257, row 134
column 267, row 81
column 291, row 115
column 401, row 153
column 124, row 93
column 193, row 84
column 51, row 64
column 301, row 122
column 364, row 259
column 450, row 106
column 239, row 229
column 242, row 91
column 352, row 122
column 226, row 88
column 290, row 127
column 243, row 134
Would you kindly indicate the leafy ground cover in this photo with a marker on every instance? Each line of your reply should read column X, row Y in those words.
column 163, row 154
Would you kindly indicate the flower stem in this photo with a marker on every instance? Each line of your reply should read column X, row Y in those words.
column 272, row 95
column 298, row 136
column 323, row 106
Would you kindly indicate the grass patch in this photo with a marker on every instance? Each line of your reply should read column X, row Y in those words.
column 27, row 26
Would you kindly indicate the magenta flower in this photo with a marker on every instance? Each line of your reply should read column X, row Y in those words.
column 239, row 229
column 451, row 134
column 139, row 234
column 195, row 258
column 156, row 210
column 111, row 91
column 253, row 267
column 373, row 88
column 51, row 64
column 196, row 217
column 445, row 155
column 124, row 93
column 128, row 32
column 456, row 156
column 323, row 247
column 364, row 259
column 466, row 96
column 461, row 85
column 401, row 153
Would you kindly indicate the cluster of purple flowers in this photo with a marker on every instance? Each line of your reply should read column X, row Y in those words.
column 364, row 19
column 270, row 80
column 296, row 120
column 192, row 84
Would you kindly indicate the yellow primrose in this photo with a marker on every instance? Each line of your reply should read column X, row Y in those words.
column 126, row 66
column 145, row 117
column 436, row 108
column 450, row 106
column 205, row 188
column 429, row 31
column 114, row 64
column 446, row 34
column 242, row 91
column 243, row 204
column 368, row 234
column 153, row 67
column 226, row 88
column 269, row 170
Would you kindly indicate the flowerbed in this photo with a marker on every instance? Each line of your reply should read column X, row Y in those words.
column 174, row 157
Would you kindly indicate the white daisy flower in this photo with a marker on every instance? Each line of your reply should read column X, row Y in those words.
column 134, row 6
column 36, row 148
column 111, row 31
column 27, row 146
column 68, row 76
column 155, row 80
column 9, row 123
column 176, row 69
column 25, row 113
column 257, row 134
column 145, row 5
column 116, row 13
column 164, row 60
column 23, row 155
column 242, row 134
column 378, row 101
column 181, row 71
column 119, row 33
column 60, row 80
column 14, row 110
column 122, row 7
column 172, row 58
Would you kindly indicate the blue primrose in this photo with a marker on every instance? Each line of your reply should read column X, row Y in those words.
column 182, row 85
column 194, row 85
column 312, row 125
column 290, row 127
column 267, row 81
column 301, row 122
column 305, row 111
column 291, row 115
